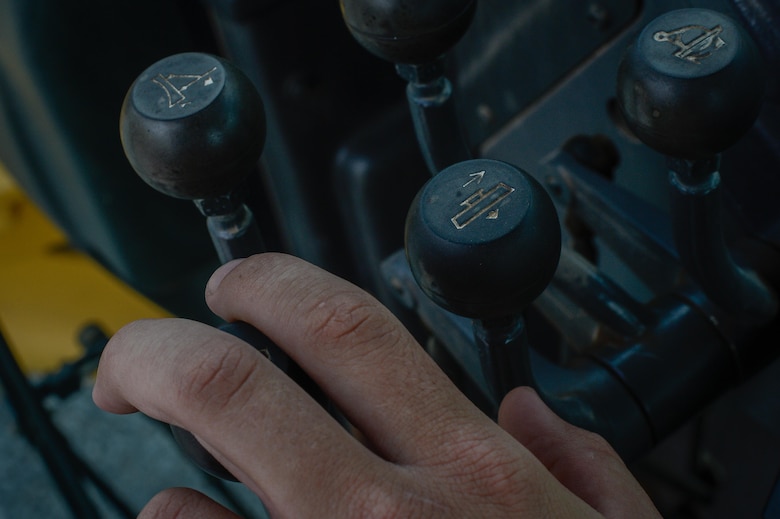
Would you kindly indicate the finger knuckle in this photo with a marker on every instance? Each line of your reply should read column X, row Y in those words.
column 127, row 334
column 376, row 506
column 350, row 320
column 488, row 471
column 379, row 500
column 215, row 378
column 587, row 449
column 492, row 475
column 594, row 446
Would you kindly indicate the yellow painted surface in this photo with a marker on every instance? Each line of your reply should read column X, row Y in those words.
column 49, row 291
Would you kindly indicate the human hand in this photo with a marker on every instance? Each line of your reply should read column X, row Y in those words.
column 432, row 452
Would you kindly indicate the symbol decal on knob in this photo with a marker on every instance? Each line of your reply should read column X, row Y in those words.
column 475, row 177
column 176, row 84
column 704, row 43
column 480, row 203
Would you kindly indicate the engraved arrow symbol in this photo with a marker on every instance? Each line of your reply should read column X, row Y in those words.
column 475, row 177
column 480, row 203
column 175, row 85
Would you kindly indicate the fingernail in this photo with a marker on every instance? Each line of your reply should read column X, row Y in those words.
column 220, row 274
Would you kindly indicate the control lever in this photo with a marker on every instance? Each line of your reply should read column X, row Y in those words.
column 483, row 241
column 690, row 87
column 415, row 36
column 193, row 126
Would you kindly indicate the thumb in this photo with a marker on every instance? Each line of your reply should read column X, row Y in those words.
column 581, row 460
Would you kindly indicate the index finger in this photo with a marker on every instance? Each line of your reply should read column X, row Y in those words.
column 354, row 348
column 261, row 426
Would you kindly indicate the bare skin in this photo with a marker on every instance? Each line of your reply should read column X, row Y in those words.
column 433, row 454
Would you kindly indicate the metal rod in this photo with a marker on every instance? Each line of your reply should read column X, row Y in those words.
column 435, row 119
column 504, row 354
column 698, row 231
column 235, row 235
column 232, row 227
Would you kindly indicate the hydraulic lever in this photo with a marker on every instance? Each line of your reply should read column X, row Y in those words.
column 690, row 87
column 612, row 388
column 415, row 36
column 193, row 127
column 483, row 241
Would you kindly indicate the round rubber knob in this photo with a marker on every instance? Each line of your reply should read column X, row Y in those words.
column 193, row 126
column 692, row 84
column 407, row 31
column 483, row 239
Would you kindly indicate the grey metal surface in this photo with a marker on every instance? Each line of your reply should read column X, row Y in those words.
column 133, row 454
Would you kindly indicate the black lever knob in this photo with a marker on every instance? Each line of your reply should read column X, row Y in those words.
column 690, row 87
column 405, row 31
column 193, row 126
column 692, row 84
column 483, row 239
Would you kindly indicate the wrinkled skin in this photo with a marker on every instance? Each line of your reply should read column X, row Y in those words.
column 432, row 453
